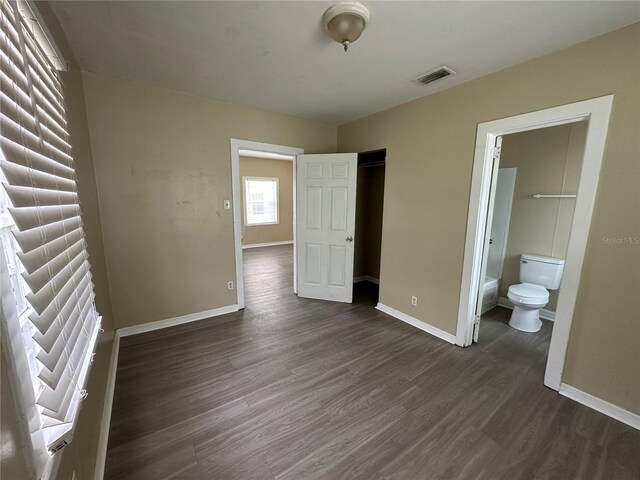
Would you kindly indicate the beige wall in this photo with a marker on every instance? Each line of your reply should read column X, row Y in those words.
column 430, row 145
column 80, row 455
column 368, row 235
column 548, row 161
column 283, row 171
column 163, row 168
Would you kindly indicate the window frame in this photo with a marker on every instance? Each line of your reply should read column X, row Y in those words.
column 246, row 201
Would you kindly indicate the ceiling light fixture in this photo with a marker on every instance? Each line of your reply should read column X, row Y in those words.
column 345, row 22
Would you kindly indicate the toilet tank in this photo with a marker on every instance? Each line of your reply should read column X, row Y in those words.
column 543, row 271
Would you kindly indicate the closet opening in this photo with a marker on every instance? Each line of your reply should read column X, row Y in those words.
column 368, row 231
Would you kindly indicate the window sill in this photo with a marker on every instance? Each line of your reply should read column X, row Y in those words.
column 260, row 224
column 60, row 435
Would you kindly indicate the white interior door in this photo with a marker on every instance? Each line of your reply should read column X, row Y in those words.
column 487, row 237
column 505, row 186
column 325, row 225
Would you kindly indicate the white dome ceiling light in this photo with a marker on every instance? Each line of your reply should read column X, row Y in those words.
column 346, row 21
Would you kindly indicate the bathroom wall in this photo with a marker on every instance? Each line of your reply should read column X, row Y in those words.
column 283, row 171
column 548, row 161
column 368, row 234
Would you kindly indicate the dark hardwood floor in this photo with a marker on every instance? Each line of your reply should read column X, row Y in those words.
column 298, row 389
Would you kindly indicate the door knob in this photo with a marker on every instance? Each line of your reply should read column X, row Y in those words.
column 349, row 239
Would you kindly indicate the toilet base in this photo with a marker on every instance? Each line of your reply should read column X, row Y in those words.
column 525, row 319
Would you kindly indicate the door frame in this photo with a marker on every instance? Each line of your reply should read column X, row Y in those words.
column 236, row 186
column 597, row 112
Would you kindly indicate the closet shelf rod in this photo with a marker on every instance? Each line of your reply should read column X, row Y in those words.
column 538, row 195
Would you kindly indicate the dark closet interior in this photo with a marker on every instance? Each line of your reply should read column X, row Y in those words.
column 369, row 206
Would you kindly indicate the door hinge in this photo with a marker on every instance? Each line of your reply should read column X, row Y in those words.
column 496, row 152
column 476, row 320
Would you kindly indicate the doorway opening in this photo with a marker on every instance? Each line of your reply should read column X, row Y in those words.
column 267, row 224
column 328, row 210
column 264, row 212
column 595, row 114
column 533, row 208
column 368, row 230
column 325, row 197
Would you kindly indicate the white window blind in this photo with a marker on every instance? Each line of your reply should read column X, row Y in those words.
column 40, row 182
column 261, row 201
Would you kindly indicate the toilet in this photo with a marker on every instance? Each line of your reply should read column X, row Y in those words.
column 538, row 275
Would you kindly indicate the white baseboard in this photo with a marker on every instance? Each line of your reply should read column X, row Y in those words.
column 270, row 244
column 601, row 406
column 105, row 422
column 447, row 337
column 545, row 314
column 170, row 322
column 366, row 278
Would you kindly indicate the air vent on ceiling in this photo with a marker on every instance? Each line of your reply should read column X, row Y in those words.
column 434, row 75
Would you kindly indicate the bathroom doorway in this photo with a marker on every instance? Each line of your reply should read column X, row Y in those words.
column 594, row 115
column 533, row 208
column 535, row 195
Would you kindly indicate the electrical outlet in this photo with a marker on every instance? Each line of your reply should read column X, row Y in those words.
column 229, row 285
column 227, row 206
column 414, row 301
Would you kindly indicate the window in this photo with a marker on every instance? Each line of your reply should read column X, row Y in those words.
column 52, row 324
column 260, row 201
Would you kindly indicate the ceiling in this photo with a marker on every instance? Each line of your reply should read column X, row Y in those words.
column 276, row 56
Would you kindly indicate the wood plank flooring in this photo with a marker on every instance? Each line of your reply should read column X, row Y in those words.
column 303, row 389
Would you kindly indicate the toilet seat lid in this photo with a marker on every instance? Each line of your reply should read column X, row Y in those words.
column 524, row 292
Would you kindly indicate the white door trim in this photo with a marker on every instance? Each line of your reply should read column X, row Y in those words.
column 487, row 220
column 597, row 111
column 236, row 145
